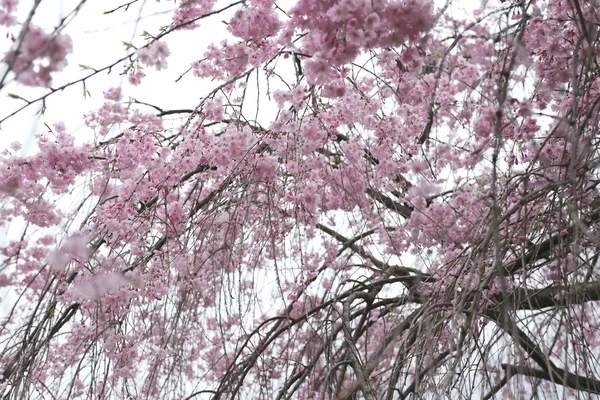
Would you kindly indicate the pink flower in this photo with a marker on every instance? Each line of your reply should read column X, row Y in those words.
column 135, row 78
column 75, row 248
column 7, row 8
column 155, row 55
column 554, row 275
column 40, row 54
column 560, row 295
column 113, row 94
column 99, row 285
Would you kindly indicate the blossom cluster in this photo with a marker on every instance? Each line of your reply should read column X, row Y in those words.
column 38, row 56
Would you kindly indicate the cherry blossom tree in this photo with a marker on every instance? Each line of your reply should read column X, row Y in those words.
column 385, row 199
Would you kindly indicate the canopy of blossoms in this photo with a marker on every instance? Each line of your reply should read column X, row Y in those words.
column 378, row 199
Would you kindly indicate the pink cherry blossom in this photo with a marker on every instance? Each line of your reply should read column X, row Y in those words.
column 155, row 55
column 362, row 199
column 39, row 55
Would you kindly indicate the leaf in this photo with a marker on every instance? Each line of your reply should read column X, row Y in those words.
column 16, row 96
column 86, row 92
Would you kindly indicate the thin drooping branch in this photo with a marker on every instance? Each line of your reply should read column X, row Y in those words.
column 548, row 370
column 545, row 248
column 377, row 354
column 413, row 276
column 415, row 383
column 497, row 387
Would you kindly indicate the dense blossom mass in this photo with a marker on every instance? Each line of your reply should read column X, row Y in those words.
column 386, row 199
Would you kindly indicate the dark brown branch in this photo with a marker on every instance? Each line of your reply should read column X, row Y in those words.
column 497, row 387
column 403, row 210
column 431, row 367
column 523, row 340
column 544, row 249
column 549, row 371
column 125, row 6
column 413, row 276
column 559, row 376
column 526, row 299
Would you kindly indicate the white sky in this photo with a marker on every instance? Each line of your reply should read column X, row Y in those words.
column 97, row 42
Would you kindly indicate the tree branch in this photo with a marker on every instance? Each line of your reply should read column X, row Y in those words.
column 527, row 299
column 559, row 376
